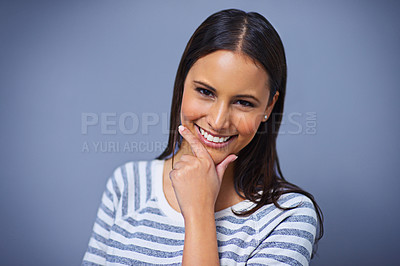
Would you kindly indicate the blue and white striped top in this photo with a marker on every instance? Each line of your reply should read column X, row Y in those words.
column 135, row 225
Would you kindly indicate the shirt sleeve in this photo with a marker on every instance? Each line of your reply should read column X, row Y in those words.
column 291, row 239
column 97, row 248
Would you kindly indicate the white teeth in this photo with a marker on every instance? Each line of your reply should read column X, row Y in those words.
column 210, row 137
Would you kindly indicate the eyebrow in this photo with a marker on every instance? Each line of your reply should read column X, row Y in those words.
column 238, row 96
column 205, row 85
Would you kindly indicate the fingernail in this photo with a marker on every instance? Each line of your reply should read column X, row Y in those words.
column 235, row 158
column 181, row 128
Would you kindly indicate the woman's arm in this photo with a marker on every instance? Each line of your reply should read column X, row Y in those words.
column 196, row 182
column 200, row 246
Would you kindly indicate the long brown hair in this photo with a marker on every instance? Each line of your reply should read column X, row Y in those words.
column 257, row 167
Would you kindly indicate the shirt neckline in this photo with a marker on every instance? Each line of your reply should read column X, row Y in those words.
column 158, row 188
column 171, row 212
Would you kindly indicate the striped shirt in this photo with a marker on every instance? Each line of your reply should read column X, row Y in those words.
column 135, row 225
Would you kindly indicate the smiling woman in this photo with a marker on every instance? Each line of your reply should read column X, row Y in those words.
column 216, row 195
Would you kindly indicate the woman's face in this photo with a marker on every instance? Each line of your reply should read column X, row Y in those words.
column 224, row 101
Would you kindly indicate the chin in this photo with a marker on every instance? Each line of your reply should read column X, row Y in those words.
column 217, row 157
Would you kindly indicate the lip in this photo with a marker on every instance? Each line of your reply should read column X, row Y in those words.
column 213, row 144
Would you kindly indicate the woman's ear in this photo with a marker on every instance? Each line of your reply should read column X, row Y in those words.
column 270, row 106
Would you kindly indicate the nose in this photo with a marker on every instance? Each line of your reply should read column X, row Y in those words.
column 218, row 118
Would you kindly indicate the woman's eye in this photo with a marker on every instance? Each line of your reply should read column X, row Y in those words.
column 245, row 103
column 205, row 92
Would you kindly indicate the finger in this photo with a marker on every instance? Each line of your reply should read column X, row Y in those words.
column 178, row 165
column 186, row 158
column 221, row 167
column 197, row 148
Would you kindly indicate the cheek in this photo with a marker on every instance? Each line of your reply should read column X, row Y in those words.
column 191, row 108
column 247, row 125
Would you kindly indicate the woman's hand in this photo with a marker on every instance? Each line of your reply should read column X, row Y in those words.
column 195, row 178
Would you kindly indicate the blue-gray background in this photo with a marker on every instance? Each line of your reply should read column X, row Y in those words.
column 60, row 61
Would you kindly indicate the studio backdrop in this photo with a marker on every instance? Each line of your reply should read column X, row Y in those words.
column 86, row 86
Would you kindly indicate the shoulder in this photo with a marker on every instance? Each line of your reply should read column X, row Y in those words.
column 131, row 183
column 298, row 213
column 128, row 177
column 286, row 235
column 135, row 169
column 292, row 204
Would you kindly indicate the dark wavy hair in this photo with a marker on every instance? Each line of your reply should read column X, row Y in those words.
column 257, row 168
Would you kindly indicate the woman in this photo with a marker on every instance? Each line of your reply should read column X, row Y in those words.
column 216, row 195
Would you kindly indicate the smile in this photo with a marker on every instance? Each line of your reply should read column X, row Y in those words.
column 213, row 141
column 212, row 138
